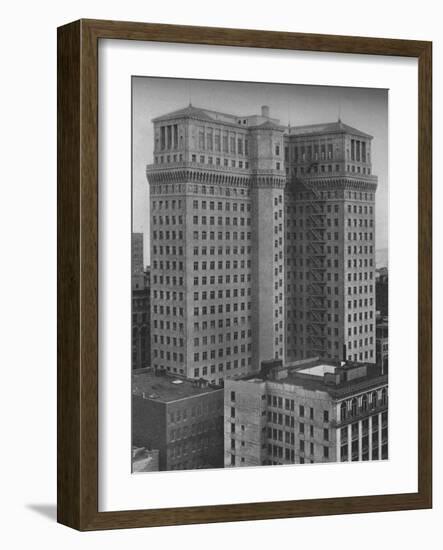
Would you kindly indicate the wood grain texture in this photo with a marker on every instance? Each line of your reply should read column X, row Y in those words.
column 68, row 275
column 78, row 274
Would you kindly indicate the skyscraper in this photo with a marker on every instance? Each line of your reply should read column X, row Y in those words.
column 261, row 243
column 330, row 243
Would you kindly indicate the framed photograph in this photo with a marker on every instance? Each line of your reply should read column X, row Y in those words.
column 244, row 275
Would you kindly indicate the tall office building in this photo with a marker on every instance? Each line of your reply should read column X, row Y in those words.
column 262, row 243
column 216, row 193
column 330, row 243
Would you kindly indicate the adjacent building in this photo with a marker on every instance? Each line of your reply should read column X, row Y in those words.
column 144, row 460
column 309, row 411
column 137, row 253
column 330, row 243
column 141, row 320
column 181, row 418
column 262, row 243
column 382, row 343
column 381, row 291
column 141, row 310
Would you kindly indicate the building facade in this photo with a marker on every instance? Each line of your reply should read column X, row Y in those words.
column 141, row 320
column 313, row 411
column 330, row 243
column 181, row 418
column 144, row 460
column 216, row 192
column 262, row 243
column 382, row 291
column 137, row 253
column 382, row 343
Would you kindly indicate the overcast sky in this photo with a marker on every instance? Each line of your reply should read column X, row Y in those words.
column 363, row 108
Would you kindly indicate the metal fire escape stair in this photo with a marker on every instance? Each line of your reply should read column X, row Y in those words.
column 316, row 272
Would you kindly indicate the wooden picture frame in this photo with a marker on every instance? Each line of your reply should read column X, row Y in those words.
column 78, row 274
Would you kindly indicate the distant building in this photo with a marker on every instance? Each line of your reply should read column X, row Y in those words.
column 181, row 418
column 137, row 253
column 144, row 460
column 381, row 291
column 382, row 343
column 311, row 411
column 141, row 320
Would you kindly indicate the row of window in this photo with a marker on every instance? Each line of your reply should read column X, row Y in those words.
column 220, row 279
column 227, row 293
column 165, row 339
column 329, row 208
column 227, row 163
column 201, row 189
column 212, row 265
column 168, row 325
column 235, row 364
column 225, row 205
column 206, row 340
column 360, row 343
column 168, row 280
column 337, row 194
column 192, row 430
column 328, row 168
column 223, row 140
column 222, row 308
column 221, row 352
column 359, row 405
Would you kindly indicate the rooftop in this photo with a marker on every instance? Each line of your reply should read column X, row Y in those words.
column 240, row 121
column 166, row 388
column 327, row 128
column 338, row 378
column 262, row 120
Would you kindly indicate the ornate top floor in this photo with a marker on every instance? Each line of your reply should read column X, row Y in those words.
column 258, row 144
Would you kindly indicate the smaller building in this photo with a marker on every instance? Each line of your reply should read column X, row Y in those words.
column 309, row 411
column 144, row 460
column 141, row 320
column 137, row 253
column 181, row 417
column 382, row 291
column 382, row 343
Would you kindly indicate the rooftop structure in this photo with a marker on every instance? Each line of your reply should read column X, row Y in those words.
column 307, row 411
column 162, row 387
column 181, row 418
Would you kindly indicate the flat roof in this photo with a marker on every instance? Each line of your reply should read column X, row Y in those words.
column 311, row 378
column 309, row 374
column 319, row 370
column 166, row 387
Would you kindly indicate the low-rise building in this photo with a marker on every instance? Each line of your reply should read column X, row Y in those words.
column 309, row 411
column 182, row 418
column 144, row 460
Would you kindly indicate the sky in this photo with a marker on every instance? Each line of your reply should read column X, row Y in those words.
column 362, row 108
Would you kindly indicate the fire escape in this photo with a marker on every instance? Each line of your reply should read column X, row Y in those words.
column 316, row 272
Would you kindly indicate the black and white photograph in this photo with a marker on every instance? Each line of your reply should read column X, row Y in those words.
column 259, row 275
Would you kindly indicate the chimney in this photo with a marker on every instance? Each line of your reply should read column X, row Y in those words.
column 265, row 111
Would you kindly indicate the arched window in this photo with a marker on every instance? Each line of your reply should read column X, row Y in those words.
column 343, row 411
column 374, row 400
column 384, row 396
column 354, row 406
column 364, row 403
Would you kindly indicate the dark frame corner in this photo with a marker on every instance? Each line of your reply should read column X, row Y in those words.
column 77, row 480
